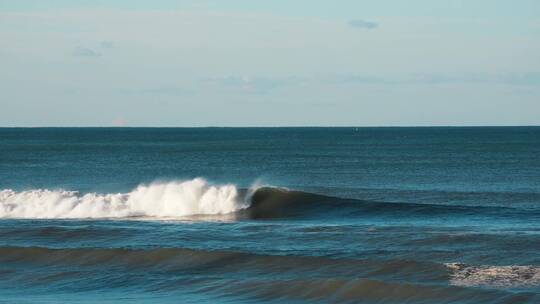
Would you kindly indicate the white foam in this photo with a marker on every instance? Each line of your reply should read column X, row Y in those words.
column 167, row 199
column 494, row 276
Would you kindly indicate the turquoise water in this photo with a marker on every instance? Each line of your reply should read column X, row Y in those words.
column 242, row 215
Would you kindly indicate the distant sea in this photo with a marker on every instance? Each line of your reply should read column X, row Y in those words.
column 270, row 215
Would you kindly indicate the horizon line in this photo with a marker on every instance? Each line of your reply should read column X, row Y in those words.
column 260, row 127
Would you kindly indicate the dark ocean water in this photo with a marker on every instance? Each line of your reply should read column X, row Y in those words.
column 295, row 215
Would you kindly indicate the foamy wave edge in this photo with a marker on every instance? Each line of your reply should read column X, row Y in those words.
column 159, row 199
column 495, row 276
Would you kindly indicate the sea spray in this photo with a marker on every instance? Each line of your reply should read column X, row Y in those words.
column 164, row 199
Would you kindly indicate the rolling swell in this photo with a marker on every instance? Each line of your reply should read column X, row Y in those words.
column 279, row 203
column 239, row 274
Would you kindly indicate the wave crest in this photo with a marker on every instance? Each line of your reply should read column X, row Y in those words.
column 167, row 199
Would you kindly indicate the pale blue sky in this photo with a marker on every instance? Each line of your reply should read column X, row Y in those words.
column 269, row 63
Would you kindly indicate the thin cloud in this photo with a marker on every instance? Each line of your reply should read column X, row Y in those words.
column 107, row 44
column 254, row 84
column 359, row 79
column 530, row 78
column 363, row 24
column 85, row 52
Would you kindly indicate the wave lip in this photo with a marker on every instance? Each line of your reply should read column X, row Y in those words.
column 494, row 276
column 170, row 199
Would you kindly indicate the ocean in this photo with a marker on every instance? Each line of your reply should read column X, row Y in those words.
column 270, row 215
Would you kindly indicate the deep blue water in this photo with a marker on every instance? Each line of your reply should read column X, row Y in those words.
column 296, row 215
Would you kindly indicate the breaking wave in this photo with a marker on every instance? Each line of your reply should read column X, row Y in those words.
column 199, row 198
column 170, row 199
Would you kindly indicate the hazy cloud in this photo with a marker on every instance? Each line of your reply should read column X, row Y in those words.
column 254, row 83
column 107, row 44
column 85, row 52
column 531, row 78
column 363, row 24
column 360, row 79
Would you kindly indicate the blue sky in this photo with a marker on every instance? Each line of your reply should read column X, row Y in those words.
column 269, row 63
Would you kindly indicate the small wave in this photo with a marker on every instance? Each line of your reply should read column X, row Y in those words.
column 175, row 259
column 495, row 276
column 170, row 199
column 257, row 277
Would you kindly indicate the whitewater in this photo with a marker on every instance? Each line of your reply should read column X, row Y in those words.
column 159, row 199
